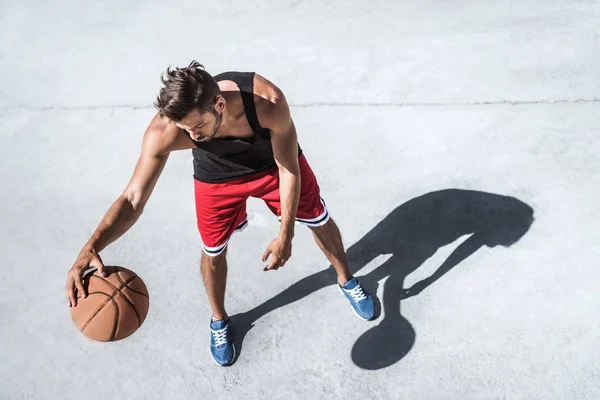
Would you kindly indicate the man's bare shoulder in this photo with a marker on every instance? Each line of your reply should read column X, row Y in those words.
column 163, row 136
column 269, row 101
column 266, row 90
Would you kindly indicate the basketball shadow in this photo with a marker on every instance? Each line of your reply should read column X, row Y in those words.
column 409, row 235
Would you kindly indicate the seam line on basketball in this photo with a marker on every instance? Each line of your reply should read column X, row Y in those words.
column 98, row 293
column 116, row 323
column 135, row 291
column 97, row 311
column 118, row 291
column 127, row 285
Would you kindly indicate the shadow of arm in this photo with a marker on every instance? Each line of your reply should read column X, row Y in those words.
column 466, row 248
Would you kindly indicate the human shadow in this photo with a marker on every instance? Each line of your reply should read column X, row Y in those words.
column 409, row 235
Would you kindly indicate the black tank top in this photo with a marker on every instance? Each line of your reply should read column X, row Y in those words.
column 221, row 160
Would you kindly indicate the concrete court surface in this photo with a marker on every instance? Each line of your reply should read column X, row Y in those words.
column 451, row 136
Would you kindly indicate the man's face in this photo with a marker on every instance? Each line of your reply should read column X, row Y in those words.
column 201, row 126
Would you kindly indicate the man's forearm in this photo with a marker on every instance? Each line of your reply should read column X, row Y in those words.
column 118, row 219
column 289, row 192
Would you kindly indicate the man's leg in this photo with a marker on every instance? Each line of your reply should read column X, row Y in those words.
column 214, row 274
column 329, row 239
column 220, row 211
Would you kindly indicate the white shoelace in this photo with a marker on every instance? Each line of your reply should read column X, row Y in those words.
column 357, row 293
column 220, row 336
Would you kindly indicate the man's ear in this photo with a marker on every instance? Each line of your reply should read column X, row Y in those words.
column 220, row 103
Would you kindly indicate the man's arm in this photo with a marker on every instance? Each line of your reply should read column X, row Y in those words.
column 159, row 139
column 277, row 118
column 126, row 210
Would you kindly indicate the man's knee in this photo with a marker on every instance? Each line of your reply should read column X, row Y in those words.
column 326, row 227
column 216, row 260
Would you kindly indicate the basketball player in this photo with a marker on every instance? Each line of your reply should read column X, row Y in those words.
column 244, row 144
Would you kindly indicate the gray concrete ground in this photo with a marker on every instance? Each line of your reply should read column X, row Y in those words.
column 419, row 118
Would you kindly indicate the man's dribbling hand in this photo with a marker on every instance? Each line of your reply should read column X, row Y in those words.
column 87, row 259
column 280, row 251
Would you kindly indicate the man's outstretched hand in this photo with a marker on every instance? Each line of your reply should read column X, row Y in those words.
column 280, row 251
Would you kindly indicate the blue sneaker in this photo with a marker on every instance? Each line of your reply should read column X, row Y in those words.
column 362, row 302
column 221, row 343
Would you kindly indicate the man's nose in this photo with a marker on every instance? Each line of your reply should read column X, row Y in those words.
column 194, row 136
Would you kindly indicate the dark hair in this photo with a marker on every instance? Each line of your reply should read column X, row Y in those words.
column 186, row 89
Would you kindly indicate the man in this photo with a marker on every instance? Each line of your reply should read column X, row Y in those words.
column 244, row 144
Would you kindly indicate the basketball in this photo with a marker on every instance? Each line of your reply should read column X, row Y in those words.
column 115, row 306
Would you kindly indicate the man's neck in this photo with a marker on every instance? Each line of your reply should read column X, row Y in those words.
column 234, row 117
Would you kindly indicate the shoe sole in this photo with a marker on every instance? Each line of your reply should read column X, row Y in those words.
column 225, row 365
column 353, row 310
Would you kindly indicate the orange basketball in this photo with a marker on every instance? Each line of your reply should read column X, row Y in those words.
column 115, row 306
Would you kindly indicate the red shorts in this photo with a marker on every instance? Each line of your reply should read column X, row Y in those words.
column 221, row 207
